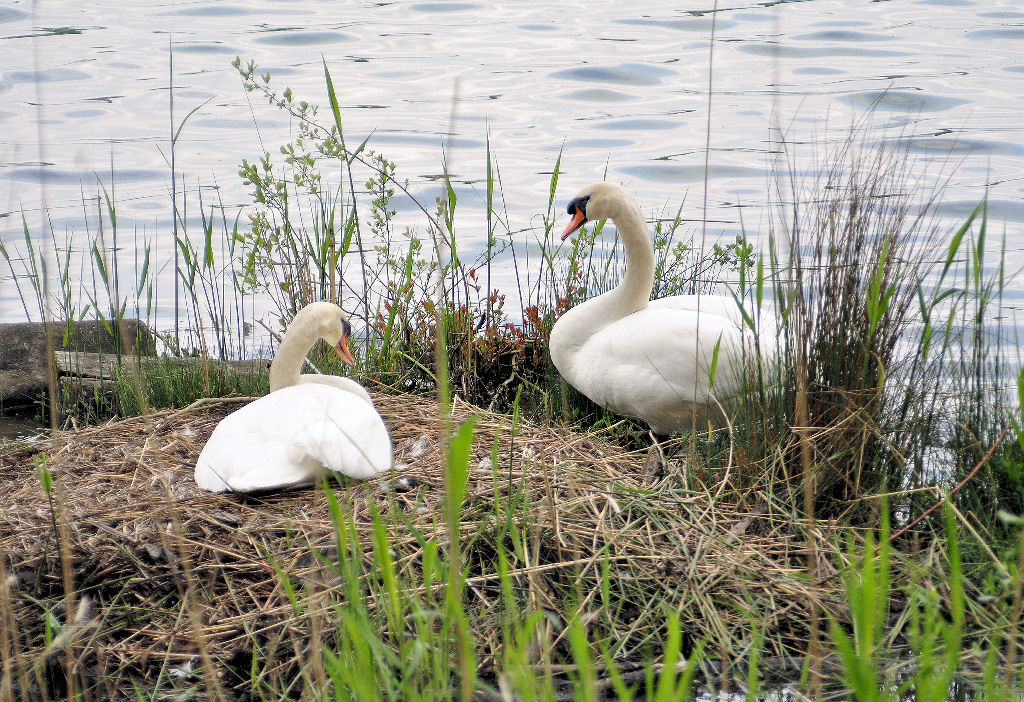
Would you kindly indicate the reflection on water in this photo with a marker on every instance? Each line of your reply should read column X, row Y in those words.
column 20, row 428
column 617, row 88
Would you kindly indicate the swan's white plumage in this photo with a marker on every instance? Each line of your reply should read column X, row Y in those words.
column 644, row 366
column 307, row 424
column 290, row 436
column 335, row 381
column 642, row 358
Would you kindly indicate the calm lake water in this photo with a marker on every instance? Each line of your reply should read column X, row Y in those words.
column 618, row 87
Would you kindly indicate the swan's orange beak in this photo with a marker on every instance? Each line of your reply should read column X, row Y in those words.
column 341, row 348
column 578, row 218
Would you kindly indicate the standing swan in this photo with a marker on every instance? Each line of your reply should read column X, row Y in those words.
column 307, row 423
column 642, row 358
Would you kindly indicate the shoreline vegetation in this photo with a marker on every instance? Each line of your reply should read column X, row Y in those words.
column 855, row 532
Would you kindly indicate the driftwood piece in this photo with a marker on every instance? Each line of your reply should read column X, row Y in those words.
column 104, row 366
column 86, row 375
column 24, row 362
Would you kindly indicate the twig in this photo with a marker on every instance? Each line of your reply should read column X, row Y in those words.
column 974, row 471
column 981, row 542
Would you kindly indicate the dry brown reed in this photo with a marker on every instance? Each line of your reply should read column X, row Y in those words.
column 175, row 575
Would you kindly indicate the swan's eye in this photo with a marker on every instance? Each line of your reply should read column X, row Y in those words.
column 578, row 204
column 346, row 329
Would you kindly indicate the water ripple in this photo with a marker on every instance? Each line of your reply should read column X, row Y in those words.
column 443, row 6
column 622, row 74
column 47, row 75
column 10, row 14
column 842, row 35
column 205, row 48
column 691, row 174
column 69, row 177
column 1012, row 33
column 589, row 143
column 998, row 210
column 929, row 145
column 598, row 95
column 211, row 10
column 689, row 24
column 638, row 125
column 789, row 51
column 818, row 71
column 901, row 101
column 85, row 113
column 281, row 37
column 425, row 140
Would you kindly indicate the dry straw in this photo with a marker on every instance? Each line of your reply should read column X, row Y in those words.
column 176, row 576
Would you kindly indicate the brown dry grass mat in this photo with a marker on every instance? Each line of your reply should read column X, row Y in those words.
column 155, row 555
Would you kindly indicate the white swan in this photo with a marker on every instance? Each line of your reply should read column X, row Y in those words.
column 308, row 423
column 642, row 358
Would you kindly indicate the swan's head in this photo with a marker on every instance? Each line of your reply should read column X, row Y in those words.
column 331, row 324
column 598, row 201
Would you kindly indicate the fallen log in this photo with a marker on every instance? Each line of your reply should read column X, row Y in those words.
column 24, row 359
column 105, row 367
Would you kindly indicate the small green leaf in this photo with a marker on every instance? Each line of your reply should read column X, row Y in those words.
column 45, row 476
column 714, row 362
column 457, row 472
column 957, row 238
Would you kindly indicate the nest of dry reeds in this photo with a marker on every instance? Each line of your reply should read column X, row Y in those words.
column 164, row 573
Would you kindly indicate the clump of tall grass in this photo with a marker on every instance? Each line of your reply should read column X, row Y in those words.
column 876, row 332
column 852, row 250
column 68, row 281
column 980, row 399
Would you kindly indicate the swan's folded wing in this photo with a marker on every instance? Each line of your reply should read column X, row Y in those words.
column 346, row 435
column 250, row 449
column 649, row 364
column 337, row 381
column 717, row 305
column 232, row 449
column 722, row 306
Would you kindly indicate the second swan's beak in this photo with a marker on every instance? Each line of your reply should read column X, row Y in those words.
column 578, row 219
column 341, row 348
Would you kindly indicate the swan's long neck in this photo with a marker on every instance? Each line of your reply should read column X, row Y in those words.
column 634, row 292
column 287, row 364
column 630, row 295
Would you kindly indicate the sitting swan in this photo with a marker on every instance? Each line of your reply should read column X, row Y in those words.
column 641, row 358
column 306, row 424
